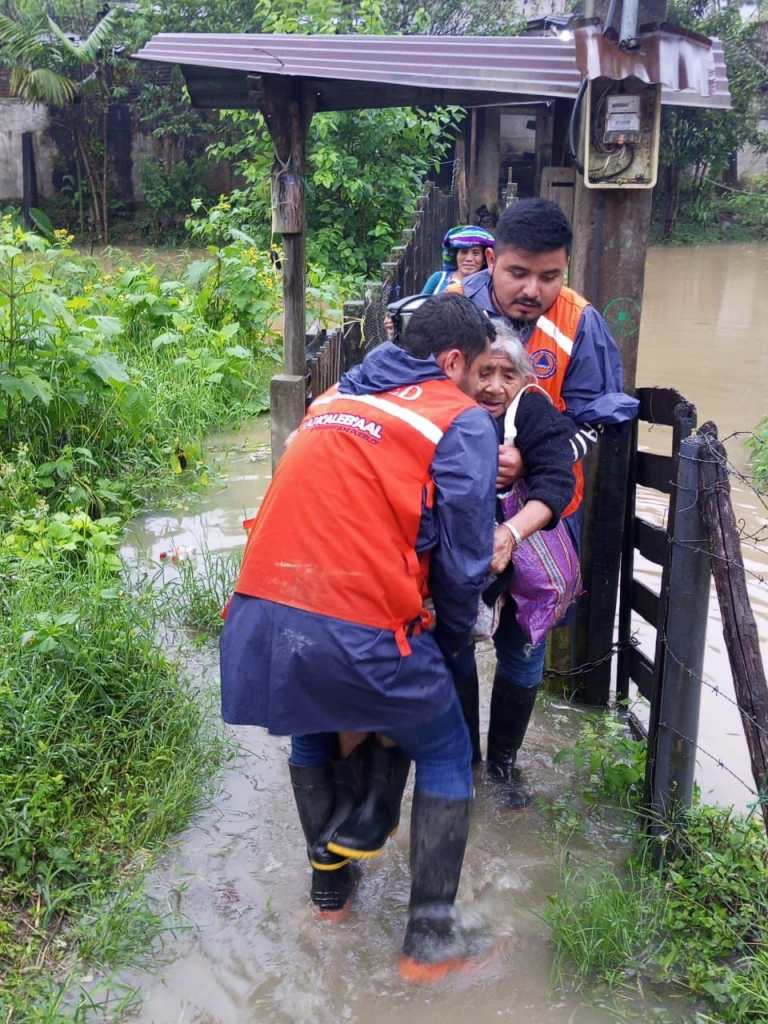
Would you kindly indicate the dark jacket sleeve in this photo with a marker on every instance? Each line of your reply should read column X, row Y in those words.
column 464, row 473
column 544, row 440
column 594, row 381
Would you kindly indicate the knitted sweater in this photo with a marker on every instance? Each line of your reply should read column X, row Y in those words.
column 544, row 441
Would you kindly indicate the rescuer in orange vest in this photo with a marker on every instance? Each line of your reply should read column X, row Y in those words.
column 577, row 363
column 386, row 493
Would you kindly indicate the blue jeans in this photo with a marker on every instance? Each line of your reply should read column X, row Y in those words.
column 518, row 660
column 440, row 748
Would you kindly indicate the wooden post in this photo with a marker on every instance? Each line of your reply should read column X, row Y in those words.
column 29, row 176
column 608, row 267
column 739, row 627
column 352, row 327
column 545, row 130
column 461, row 178
column 288, row 111
column 674, row 725
column 484, row 187
column 286, row 403
column 610, row 241
column 558, row 184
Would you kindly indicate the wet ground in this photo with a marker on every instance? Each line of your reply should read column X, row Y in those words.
column 238, row 874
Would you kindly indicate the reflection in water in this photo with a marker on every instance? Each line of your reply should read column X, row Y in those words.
column 703, row 332
column 254, row 952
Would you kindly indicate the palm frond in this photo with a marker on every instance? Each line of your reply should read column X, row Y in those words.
column 87, row 51
column 102, row 35
column 18, row 45
column 41, row 85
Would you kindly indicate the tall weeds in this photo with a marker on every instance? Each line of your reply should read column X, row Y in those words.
column 108, row 384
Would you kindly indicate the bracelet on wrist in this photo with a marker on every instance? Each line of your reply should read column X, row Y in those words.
column 517, row 537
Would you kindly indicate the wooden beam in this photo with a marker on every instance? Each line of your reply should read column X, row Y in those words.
column 545, row 134
column 608, row 267
column 287, row 110
column 484, row 184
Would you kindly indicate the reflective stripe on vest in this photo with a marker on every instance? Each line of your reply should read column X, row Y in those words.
column 336, row 532
column 424, row 426
column 550, row 348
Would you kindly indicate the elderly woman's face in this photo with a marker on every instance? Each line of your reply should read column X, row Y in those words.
column 469, row 261
column 495, row 383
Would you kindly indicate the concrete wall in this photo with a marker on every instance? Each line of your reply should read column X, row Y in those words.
column 17, row 117
column 749, row 161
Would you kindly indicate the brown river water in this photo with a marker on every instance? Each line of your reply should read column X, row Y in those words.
column 251, row 951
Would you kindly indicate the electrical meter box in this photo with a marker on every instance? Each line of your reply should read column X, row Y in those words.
column 621, row 129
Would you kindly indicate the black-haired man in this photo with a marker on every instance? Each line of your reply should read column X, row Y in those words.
column 388, row 485
column 578, row 365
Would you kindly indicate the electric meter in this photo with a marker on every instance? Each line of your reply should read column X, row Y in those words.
column 621, row 134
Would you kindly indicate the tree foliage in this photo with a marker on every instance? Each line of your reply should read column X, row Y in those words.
column 699, row 146
column 72, row 71
column 365, row 168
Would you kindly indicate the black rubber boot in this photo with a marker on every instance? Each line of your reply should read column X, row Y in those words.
column 511, row 709
column 363, row 834
column 436, row 942
column 333, row 877
column 468, row 691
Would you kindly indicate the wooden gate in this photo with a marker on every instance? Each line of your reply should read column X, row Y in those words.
column 678, row 613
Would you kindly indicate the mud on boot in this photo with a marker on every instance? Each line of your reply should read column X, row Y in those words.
column 364, row 833
column 438, row 942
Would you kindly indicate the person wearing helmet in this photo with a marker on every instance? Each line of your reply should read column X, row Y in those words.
column 463, row 255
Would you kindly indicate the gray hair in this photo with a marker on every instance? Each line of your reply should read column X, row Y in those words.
column 508, row 344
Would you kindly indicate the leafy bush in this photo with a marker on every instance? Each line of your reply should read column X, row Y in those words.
column 112, row 379
column 167, row 192
column 758, row 445
column 108, row 383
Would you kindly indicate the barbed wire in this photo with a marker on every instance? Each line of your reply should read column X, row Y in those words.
column 713, row 757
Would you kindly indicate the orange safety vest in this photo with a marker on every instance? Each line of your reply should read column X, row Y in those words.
column 336, row 532
column 550, row 347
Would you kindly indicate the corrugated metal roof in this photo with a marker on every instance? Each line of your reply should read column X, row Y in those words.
column 350, row 71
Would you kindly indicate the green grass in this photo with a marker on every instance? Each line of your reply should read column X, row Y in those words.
column 603, row 925
column 104, row 752
column 193, row 599
column 691, row 921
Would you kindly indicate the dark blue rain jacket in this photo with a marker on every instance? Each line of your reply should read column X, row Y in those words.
column 297, row 672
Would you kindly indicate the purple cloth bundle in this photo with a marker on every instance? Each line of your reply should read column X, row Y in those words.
column 546, row 579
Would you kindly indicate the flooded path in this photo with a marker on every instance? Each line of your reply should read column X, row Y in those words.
column 239, row 873
column 253, row 952
column 705, row 332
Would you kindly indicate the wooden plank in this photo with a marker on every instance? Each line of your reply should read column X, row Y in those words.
column 645, row 602
column 651, row 541
column 558, row 184
column 625, row 578
column 664, row 406
column 739, row 627
column 602, row 542
column 656, row 471
column 643, row 673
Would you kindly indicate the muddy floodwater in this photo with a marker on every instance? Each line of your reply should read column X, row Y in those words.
column 251, row 950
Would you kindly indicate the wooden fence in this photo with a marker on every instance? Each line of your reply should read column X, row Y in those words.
column 403, row 273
